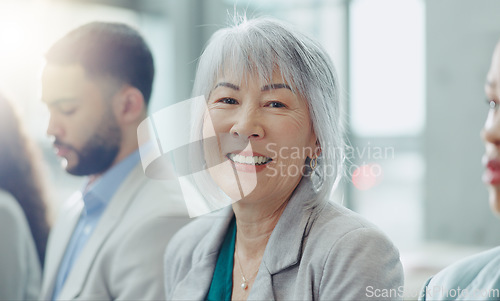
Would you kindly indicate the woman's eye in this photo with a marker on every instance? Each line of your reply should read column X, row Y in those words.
column 229, row 101
column 276, row 104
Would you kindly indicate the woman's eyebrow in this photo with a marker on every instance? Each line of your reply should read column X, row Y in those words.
column 229, row 85
column 275, row 86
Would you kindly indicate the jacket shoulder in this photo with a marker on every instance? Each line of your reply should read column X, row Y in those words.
column 20, row 273
column 192, row 244
column 359, row 261
column 10, row 207
column 150, row 196
column 334, row 222
column 474, row 274
column 190, row 239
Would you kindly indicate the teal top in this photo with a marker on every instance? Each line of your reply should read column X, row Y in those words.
column 221, row 287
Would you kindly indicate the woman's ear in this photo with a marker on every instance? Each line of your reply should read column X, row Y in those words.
column 130, row 105
column 318, row 150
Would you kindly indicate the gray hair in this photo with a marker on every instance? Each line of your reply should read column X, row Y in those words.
column 263, row 45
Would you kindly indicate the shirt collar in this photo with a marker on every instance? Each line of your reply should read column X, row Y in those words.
column 100, row 192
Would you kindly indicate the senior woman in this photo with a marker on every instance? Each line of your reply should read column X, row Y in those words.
column 478, row 277
column 275, row 89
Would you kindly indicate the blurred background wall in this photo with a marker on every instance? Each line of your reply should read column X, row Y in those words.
column 411, row 72
column 461, row 36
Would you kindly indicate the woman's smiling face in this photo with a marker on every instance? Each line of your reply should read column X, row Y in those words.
column 264, row 135
column 491, row 132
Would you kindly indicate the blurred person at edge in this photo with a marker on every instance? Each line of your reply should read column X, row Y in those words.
column 478, row 277
column 109, row 238
column 272, row 90
column 23, row 211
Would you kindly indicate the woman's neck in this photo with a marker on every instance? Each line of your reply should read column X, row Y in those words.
column 255, row 223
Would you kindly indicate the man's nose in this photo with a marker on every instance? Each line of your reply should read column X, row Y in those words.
column 54, row 127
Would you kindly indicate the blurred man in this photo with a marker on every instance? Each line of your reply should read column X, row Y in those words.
column 109, row 239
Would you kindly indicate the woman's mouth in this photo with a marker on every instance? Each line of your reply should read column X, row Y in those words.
column 248, row 160
column 492, row 174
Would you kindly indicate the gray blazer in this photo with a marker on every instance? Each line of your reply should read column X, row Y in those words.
column 122, row 258
column 327, row 253
column 473, row 278
column 20, row 274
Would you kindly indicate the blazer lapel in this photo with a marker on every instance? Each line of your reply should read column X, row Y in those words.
column 284, row 248
column 199, row 277
column 201, row 273
column 59, row 239
column 108, row 222
column 262, row 288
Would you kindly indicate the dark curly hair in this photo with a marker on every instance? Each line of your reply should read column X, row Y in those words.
column 20, row 174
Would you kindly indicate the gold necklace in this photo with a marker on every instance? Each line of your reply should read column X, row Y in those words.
column 244, row 283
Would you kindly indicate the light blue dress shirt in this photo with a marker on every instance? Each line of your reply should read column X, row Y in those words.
column 95, row 200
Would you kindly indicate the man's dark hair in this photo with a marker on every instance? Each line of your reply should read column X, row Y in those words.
column 108, row 49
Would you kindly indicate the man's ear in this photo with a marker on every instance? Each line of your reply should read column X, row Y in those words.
column 130, row 105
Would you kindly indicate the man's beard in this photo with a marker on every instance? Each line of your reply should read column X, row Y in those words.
column 100, row 151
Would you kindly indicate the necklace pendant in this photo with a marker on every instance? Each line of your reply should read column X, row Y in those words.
column 244, row 285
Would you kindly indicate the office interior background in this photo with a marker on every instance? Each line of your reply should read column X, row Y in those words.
column 411, row 74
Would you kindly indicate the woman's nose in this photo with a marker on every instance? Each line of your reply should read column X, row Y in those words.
column 248, row 124
column 491, row 130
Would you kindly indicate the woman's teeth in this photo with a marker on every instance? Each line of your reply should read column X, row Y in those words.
column 253, row 160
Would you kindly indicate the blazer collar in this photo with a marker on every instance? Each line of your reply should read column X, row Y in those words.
column 284, row 248
column 108, row 222
column 201, row 273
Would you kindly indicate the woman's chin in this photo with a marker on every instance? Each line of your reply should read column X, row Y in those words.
column 234, row 183
column 495, row 207
column 495, row 201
